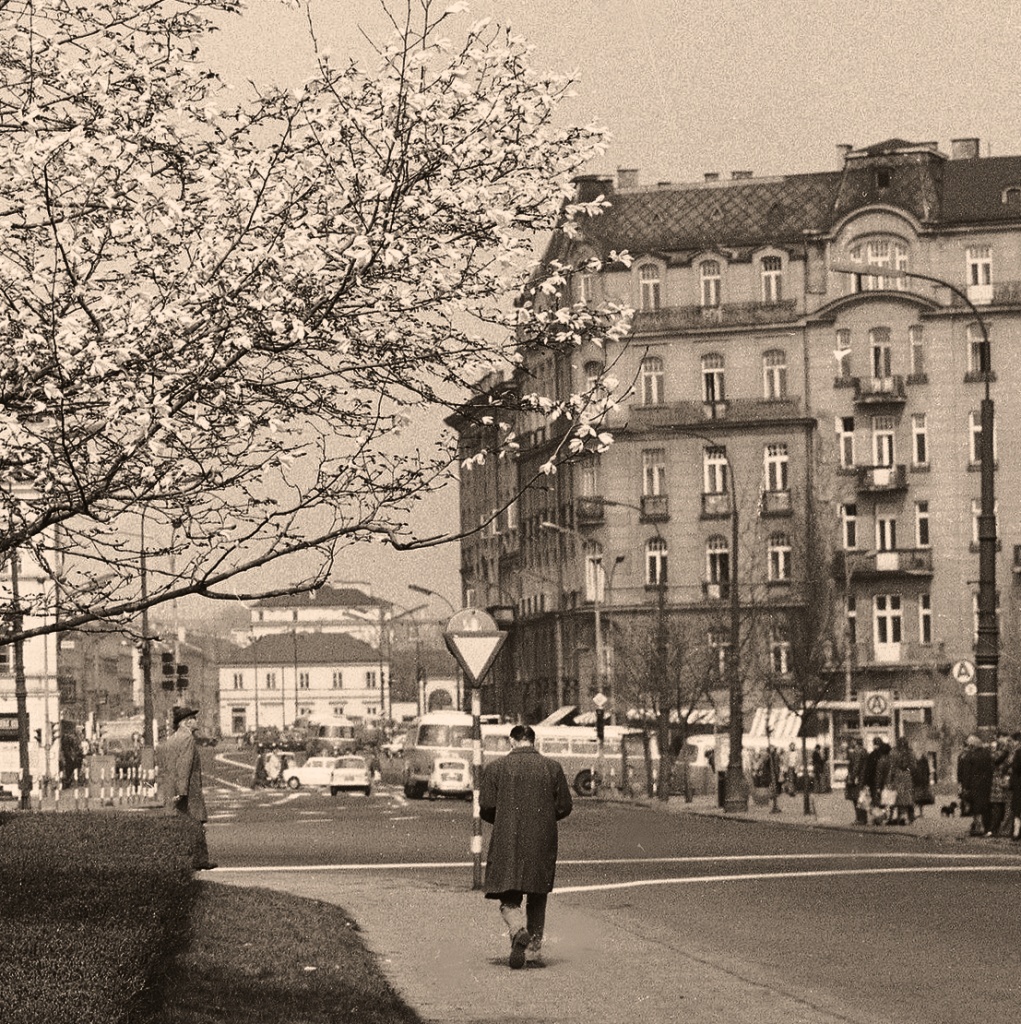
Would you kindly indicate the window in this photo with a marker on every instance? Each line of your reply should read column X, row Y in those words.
column 922, row 537
column 656, row 562
column 975, row 439
column 774, row 374
column 779, row 556
column 338, row 680
column 879, row 339
column 882, row 440
column 980, row 265
column 851, row 613
column 586, row 287
column 842, row 352
column 887, row 619
column 919, row 440
column 714, row 471
column 775, row 464
column 594, row 576
column 652, row 380
column 916, row 341
column 719, row 646
column 886, row 533
column 717, row 560
column 849, row 525
column 976, row 514
column 303, row 681
column 370, row 679
column 271, row 680
column 879, row 252
column 978, row 351
column 654, row 471
column 648, row 277
column 709, row 273
column 779, row 652
column 239, row 680
column 712, row 378
column 588, row 478
column 594, row 378
column 772, row 279
column 845, row 441
column 925, row 618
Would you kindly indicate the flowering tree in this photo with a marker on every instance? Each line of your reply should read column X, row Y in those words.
column 219, row 318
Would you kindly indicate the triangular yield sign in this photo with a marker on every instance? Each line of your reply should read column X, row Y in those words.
column 475, row 652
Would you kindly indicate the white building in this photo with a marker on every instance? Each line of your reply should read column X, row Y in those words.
column 284, row 676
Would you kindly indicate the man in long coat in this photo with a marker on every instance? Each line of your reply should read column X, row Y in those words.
column 523, row 795
column 179, row 774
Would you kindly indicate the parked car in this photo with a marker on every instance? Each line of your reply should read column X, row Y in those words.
column 450, row 777
column 351, row 772
column 316, row 771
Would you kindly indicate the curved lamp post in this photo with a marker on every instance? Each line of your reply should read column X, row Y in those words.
column 987, row 654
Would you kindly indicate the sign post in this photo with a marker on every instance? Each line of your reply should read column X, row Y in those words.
column 472, row 638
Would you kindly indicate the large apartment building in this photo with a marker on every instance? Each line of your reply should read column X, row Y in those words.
column 785, row 433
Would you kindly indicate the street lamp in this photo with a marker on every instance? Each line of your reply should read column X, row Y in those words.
column 432, row 593
column 987, row 654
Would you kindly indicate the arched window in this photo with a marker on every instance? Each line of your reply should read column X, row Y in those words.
column 709, row 274
column 648, row 277
column 656, row 562
column 712, row 378
column 774, row 374
column 779, row 559
column 594, row 379
column 978, row 351
column 594, row 576
column 652, row 380
column 879, row 252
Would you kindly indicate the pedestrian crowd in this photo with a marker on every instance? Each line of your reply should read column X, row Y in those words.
column 892, row 785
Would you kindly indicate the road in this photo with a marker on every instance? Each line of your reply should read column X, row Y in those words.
column 869, row 925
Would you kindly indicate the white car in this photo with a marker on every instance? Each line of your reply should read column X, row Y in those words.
column 450, row 776
column 351, row 772
column 316, row 771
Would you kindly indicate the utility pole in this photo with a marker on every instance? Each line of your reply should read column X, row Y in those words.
column 20, row 687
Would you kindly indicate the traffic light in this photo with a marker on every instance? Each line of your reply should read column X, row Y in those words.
column 167, row 661
column 182, row 677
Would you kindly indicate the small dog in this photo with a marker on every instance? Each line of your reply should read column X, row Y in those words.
column 948, row 810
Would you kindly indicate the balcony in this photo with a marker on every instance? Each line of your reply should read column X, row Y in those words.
column 714, row 410
column 775, row 503
column 588, row 511
column 655, row 508
column 716, row 591
column 894, row 656
column 882, row 479
column 1000, row 293
column 730, row 314
column 716, row 505
column 865, row 564
column 879, row 391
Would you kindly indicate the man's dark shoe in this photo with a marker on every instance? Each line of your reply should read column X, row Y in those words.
column 204, row 867
column 518, row 946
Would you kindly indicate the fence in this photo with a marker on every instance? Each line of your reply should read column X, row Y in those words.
column 92, row 788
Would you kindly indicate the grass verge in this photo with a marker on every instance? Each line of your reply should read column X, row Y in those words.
column 260, row 957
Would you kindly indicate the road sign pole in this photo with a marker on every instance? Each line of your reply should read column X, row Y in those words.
column 476, row 844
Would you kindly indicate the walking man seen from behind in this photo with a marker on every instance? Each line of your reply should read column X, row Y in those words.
column 523, row 796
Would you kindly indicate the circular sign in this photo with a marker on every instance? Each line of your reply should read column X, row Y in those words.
column 970, row 690
column 877, row 705
column 963, row 671
column 600, row 700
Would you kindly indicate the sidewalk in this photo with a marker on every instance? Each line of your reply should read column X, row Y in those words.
column 442, row 949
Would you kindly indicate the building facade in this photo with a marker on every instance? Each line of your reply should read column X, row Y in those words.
column 785, row 435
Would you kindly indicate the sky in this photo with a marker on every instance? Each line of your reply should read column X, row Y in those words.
column 687, row 87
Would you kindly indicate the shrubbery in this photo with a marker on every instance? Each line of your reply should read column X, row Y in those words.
column 94, row 909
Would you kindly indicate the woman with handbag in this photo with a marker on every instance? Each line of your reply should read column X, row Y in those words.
column 901, row 785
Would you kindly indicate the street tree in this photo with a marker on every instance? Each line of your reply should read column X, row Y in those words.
column 224, row 317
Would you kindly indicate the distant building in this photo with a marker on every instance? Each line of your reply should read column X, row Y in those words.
column 764, row 388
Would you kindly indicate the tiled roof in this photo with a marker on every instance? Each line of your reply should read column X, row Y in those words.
column 324, row 597
column 303, row 648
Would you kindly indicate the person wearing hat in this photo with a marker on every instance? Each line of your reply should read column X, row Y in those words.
column 179, row 774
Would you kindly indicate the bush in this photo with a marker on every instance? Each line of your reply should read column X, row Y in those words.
column 95, row 907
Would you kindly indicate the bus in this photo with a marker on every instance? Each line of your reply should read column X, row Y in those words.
column 576, row 748
column 336, row 738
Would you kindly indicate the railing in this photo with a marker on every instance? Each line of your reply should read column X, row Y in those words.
column 907, row 562
column 728, row 314
column 92, row 789
column 882, row 478
column 1001, row 293
column 879, row 390
column 716, row 591
column 589, row 511
column 655, row 508
column 716, row 505
column 776, row 503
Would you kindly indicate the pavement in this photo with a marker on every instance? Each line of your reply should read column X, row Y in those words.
column 454, row 971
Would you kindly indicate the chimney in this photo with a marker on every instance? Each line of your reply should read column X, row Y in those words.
column 591, row 186
column 843, row 149
column 712, row 176
column 740, row 175
column 964, row 149
column 627, row 177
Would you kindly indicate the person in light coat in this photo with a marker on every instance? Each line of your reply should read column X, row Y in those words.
column 179, row 774
column 523, row 795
